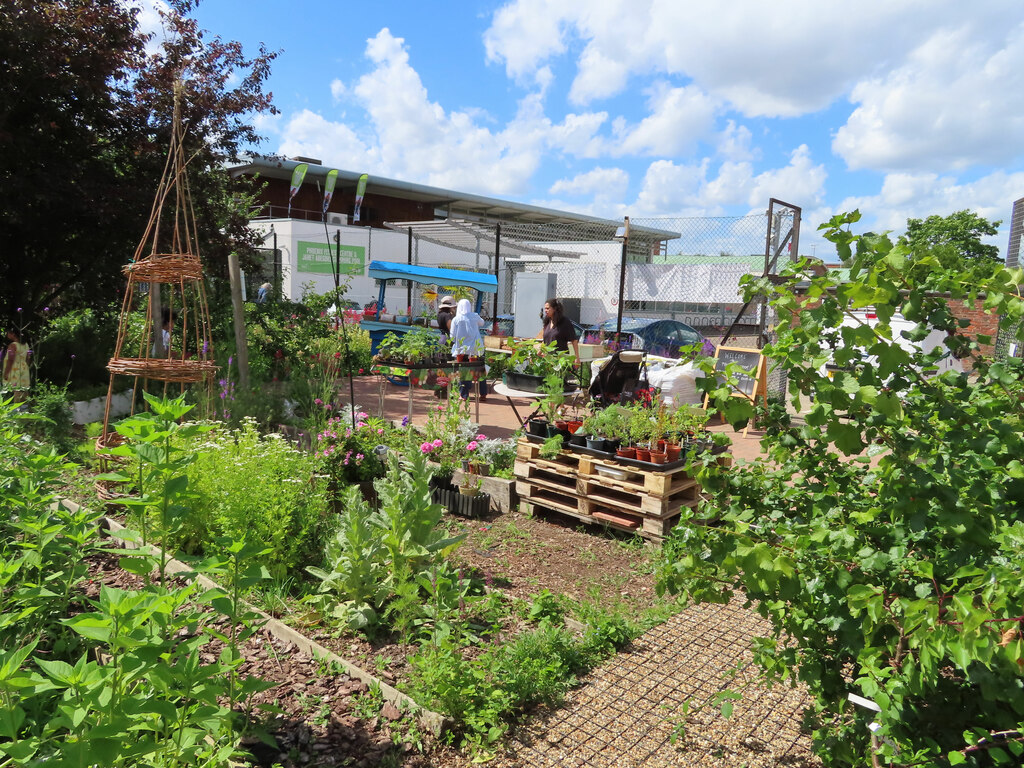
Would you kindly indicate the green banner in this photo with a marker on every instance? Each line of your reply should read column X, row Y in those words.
column 360, row 191
column 318, row 257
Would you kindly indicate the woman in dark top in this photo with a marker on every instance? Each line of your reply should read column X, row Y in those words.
column 445, row 313
column 558, row 329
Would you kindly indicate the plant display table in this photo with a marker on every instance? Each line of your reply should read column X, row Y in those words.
column 400, row 368
column 500, row 388
column 597, row 491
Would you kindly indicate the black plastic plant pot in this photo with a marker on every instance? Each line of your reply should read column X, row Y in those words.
column 522, row 381
column 596, row 443
column 537, row 427
column 577, row 439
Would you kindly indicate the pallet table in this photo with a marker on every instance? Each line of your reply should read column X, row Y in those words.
column 645, row 502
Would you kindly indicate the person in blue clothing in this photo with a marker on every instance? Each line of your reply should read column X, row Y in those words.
column 466, row 340
column 264, row 293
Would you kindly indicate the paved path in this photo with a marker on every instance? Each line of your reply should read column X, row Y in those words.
column 651, row 706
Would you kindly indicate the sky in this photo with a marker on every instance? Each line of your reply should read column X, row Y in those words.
column 658, row 108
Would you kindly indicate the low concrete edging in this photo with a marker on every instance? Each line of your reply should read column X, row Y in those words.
column 436, row 722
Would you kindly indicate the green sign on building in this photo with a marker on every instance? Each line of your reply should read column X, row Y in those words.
column 318, row 257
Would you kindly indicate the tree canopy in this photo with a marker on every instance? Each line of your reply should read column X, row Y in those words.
column 85, row 117
column 962, row 231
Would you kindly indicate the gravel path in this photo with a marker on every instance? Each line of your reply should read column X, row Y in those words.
column 630, row 713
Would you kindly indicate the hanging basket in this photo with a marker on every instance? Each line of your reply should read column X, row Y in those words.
column 164, row 268
column 163, row 369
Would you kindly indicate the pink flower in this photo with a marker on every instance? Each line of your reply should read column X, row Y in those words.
column 438, row 443
column 472, row 446
column 426, row 448
column 481, row 437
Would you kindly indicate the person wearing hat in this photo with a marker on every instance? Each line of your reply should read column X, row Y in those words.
column 445, row 313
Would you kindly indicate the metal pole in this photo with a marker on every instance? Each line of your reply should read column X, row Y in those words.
column 238, row 310
column 344, row 333
column 497, row 278
column 408, row 283
column 622, row 279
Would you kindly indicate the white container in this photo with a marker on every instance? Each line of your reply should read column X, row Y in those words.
column 88, row 411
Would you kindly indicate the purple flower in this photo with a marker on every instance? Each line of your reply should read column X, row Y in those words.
column 46, row 309
column 405, row 421
column 72, row 357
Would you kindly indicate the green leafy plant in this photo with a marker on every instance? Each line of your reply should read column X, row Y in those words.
column 882, row 536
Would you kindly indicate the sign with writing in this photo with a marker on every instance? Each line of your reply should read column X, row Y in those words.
column 319, row 258
column 752, row 382
column 747, row 359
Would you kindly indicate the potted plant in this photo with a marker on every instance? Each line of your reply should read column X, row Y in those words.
column 531, row 362
column 470, row 485
column 593, row 427
column 551, row 406
column 551, row 447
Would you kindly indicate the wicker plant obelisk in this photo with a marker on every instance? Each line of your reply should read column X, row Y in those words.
column 165, row 277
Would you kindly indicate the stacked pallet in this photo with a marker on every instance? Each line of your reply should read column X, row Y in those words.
column 643, row 502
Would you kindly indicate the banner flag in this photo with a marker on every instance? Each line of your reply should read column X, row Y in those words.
column 332, row 178
column 360, row 191
column 297, row 176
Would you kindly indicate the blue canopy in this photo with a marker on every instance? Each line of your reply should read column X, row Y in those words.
column 388, row 270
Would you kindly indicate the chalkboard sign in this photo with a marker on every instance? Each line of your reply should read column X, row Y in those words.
column 748, row 359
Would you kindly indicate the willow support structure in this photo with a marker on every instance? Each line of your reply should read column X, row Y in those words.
column 165, row 279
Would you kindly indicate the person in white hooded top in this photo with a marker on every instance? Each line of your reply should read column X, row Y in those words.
column 466, row 340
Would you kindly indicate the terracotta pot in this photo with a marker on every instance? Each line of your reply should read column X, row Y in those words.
column 627, row 453
column 643, row 454
column 659, row 457
column 673, row 451
column 572, row 426
column 462, row 358
column 561, row 424
column 661, row 446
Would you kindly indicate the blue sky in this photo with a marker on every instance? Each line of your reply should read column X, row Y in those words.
column 902, row 108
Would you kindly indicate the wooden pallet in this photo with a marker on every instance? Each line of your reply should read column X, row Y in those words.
column 564, row 461
column 597, row 490
column 546, row 472
column 649, row 528
column 553, row 497
column 657, row 483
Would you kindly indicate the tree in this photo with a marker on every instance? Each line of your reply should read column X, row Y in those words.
column 884, row 536
column 962, row 230
column 84, row 132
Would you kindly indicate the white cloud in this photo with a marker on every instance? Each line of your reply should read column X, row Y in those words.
column 958, row 100
column 338, row 89
column 684, row 189
column 678, row 118
column 600, row 182
column 735, row 143
column 785, row 58
column 310, row 135
column 906, row 195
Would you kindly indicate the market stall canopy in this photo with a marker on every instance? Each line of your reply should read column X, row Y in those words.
column 387, row 270
column 474, row 237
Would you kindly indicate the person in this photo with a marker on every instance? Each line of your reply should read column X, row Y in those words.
column 166, row 320
column 15, row 376
column 445, row 313
column 559, row 329
column 264, row 293
column 465, row 332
